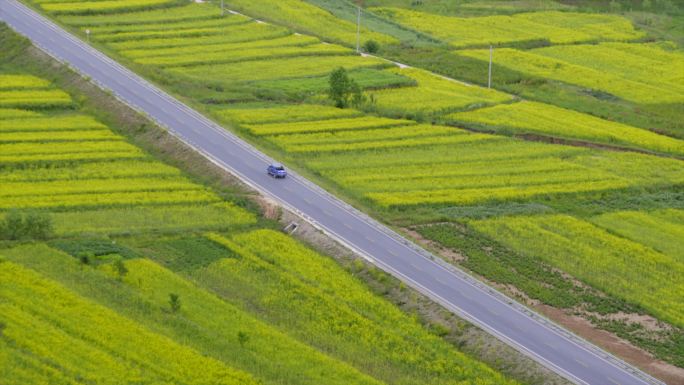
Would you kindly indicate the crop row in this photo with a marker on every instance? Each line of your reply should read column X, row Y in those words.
column 70, row 156
column 617, row 266
column 243, row 54
column 86, row 342
column 85, row 186
column 367, row 78
column 274, row 113
column 102, row 6
column 12, row 81
column 492, row 167
column 186, row 29
column 129, row 31
column 91, row 170
column 467, row 196
column 51, row 123
column 65, row 148
column 485, row 181
column 240, row 33
column 555, row 27
column 186, row 12
column 545, row 119
column 302, row 292
column 203, row 49
column 191, row 217
column 107, row 199
column 76, row 135
column 369, row 143
column 328, row 125
column 34, row 98
column 356, row 136
column 13, row 113
column 276, row 68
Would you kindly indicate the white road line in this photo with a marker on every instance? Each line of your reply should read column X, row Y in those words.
column 581, row 362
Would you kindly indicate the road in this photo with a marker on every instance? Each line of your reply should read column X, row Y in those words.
column 511, row 322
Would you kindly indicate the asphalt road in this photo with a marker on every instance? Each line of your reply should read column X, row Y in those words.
column 553, row 347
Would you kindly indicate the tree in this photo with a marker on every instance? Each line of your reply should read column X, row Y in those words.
column 174, row 302
column 371, row 46
column 243, row 338
column 344, row 90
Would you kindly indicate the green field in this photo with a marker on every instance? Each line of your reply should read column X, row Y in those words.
column 103, row 245
column 562, row 182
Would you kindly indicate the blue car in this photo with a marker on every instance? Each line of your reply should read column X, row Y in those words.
column 276, row 170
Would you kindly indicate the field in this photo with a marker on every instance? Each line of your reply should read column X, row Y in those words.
column 76, row 167
column 523, row 28
column 309, row 19
column 47, row 326
column 434, row 95
column 103, row 244
column 617, row 266
column 642, row 73
column 661, row 230
column 524, row 180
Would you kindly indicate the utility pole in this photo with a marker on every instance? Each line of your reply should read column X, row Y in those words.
column 489, row 82
column 358, row 29
column 223, row 12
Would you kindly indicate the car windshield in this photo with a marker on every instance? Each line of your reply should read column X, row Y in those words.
column 279, row 167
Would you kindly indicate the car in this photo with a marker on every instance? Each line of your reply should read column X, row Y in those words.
column 276, row 170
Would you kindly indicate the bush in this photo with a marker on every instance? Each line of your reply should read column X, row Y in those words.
column 30, row 225
column 371, row 46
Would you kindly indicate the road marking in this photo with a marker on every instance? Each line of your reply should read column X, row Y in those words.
column 549, row 345
column 347, row 225
column 496, row 313
column 307, row 200
column 518, row 328
column 581, row 362
column 286, row 188
column 326, row 212
column 394, row 253
column 369, row 239
column 416, row 266
column 612, row 380
column 441, row 281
